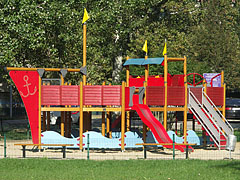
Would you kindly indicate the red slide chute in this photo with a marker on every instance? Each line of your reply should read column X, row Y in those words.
column 156, row 127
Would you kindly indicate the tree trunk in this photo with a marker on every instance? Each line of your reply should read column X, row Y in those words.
column 117, row 67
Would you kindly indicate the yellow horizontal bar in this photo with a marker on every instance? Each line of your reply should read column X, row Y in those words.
column 60, row 108
column 175, row 108
column 90, row 109
column 100, row 109
column 166, row 144
column 43, row 144
column 168, row 108
column 175, row 59
column 35, row 69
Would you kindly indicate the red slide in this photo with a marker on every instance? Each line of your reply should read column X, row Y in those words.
column 156, row 127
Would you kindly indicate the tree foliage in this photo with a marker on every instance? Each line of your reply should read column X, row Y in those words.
column 46, row 33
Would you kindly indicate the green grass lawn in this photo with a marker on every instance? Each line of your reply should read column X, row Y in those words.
column 45, row 169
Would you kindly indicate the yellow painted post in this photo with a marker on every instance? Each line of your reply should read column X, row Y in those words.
column 144, row 125
column 44, row 121
column 81, row 117
column 103, row 118
column 44, row 118
column 146, row 70
column 224, row 95
column 48, row 120
column 165, row 97
column 123, row 116
column 62, row 113
column 145, row 84
column 205, row 85
column 224, row 101
column 84, row 50
column 204, row 131
column 127, row 85
column 109, row 134
column 127, row 74
column 39, row 111
column 185, row 103
column 222, row 78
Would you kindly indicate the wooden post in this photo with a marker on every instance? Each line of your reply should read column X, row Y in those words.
column 44, row 121
column 145, row 84
column 224, row 101
column 185, row 103
column 108, row 120
column 127, row 74
column 103, row 119
column 146, row 70
column 127, row 85
column 48, row 120
column 123, row 116
column 39, row 111
column 69, row 124
column 81, row 117
column 144, row 125
column 84, row 50
column 62, row 113
column 224, row 95
column 66, row 123
column 165, row 97
column 109, row 132
column 204, row 131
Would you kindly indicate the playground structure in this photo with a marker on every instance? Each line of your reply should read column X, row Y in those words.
column 144, row 94
column 163, row 93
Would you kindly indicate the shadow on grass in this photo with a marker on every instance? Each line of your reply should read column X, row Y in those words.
column 231, row 165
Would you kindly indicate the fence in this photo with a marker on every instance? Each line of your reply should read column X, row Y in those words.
column 9, row 149
column 18, row 132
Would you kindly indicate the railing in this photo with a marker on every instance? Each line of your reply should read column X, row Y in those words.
column 220, row 121
column 207, row 126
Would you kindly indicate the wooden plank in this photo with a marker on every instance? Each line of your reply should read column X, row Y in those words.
column 43, row 144
column 60, row 108
column 175, row 59
column 35, row 69
column 155, row 144
column 100, row 109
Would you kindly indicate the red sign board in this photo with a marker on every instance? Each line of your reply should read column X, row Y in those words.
column 27, row 83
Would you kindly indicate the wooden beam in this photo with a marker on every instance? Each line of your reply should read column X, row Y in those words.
column 39, row 111
column 81, row 117
column 85, row 109
column 35, row 69
column 185, row 100
column 165, row 90
column 123, row 117
column 166, row 144
column 175, row 59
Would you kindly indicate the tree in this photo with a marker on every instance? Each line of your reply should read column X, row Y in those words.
column 215, row 43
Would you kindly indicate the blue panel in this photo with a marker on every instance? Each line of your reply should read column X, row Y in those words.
column 153, row 61
column 142, row 61
column 134, row 62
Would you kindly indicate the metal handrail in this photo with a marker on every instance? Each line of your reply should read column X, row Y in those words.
column 206, row 128
column 226, row 121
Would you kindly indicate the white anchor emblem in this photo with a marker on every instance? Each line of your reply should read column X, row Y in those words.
column 26, row 78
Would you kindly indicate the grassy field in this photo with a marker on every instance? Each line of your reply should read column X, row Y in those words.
column 131, row 169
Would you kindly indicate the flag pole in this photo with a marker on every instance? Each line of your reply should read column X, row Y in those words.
column 85, row 18
column 84, row 50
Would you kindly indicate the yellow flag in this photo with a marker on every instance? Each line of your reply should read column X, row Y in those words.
column 85, row 16
column 165, row 48
column 145, row 47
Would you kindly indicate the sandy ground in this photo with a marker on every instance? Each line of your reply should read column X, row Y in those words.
column 32, row 152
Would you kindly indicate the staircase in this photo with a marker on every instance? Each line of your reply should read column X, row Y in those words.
column 210, row 118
